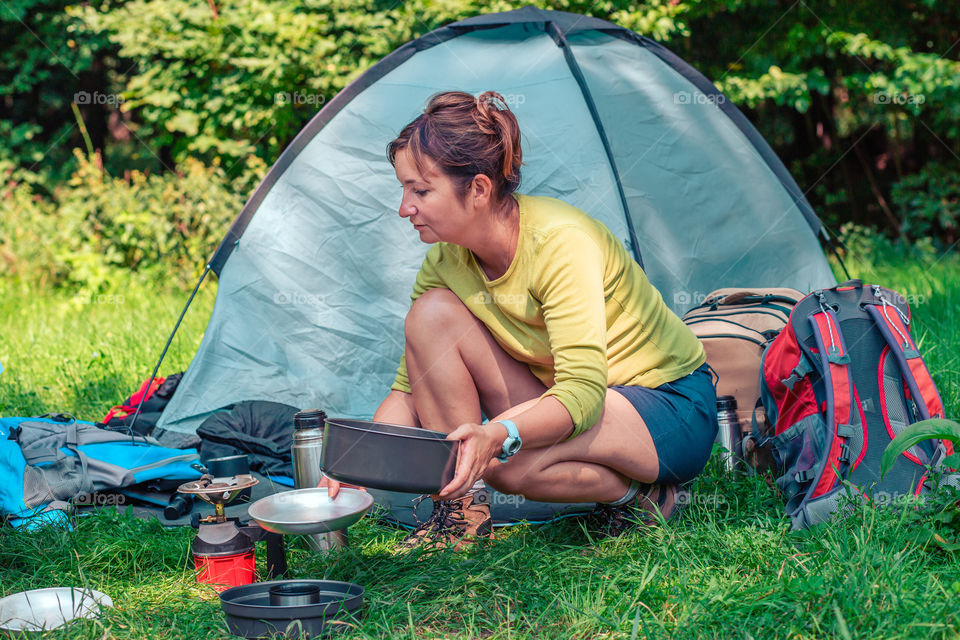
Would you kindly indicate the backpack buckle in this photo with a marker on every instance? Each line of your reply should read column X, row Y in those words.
column 909, row 352
column 802, row 369
column 833, row 355
column 846, row 430
column 844, row 453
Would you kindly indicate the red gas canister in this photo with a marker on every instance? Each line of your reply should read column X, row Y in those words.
column 223, row 556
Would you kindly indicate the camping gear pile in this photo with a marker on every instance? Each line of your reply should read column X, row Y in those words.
column 49, row 461
column 823, row 382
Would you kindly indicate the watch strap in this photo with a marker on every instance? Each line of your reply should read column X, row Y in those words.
column 513, row 436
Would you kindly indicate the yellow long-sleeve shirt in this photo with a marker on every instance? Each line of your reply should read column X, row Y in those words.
column 573, row 305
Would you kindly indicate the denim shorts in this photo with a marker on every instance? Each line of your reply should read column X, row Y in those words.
column 681, row 416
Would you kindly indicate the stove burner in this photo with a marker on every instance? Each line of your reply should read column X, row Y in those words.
column 218, row 491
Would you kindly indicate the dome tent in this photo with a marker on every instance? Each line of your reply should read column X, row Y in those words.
column 315, row 273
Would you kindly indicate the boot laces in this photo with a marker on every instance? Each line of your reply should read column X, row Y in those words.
column 447, row 516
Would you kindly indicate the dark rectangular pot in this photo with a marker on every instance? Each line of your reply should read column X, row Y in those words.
column 388, row 456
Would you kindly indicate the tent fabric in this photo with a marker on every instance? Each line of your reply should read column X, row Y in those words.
column 316, row 272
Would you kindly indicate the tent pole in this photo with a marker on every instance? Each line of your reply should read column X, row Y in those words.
column 833, row 247
column 153, row 375
column 561, row 41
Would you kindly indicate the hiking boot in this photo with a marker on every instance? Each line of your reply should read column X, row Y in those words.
column 612, row 521
column 453, row 523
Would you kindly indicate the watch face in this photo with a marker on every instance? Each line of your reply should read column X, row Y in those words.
column 513, row 446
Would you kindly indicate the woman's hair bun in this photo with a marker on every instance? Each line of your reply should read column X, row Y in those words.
column 495, row 118
column 490, row 103
column 487, row 139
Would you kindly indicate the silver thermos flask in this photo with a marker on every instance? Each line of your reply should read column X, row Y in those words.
column 305, row 452
column 729, row 434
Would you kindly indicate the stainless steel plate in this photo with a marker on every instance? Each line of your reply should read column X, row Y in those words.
column 45, row 609
column 310, row 510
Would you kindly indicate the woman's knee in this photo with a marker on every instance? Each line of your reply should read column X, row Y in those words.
column 506, row 478
column 433, row 313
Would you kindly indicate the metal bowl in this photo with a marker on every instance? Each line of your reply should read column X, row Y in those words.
column 45, row 609
column 310, row 510
column 388, row 456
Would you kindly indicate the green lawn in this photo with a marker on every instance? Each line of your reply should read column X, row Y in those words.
column 730, row 568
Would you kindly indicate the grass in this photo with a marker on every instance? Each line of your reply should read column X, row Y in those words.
column 730, row 568
column 84, row 354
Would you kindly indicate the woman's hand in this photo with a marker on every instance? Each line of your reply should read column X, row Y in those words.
column 333, row 487
column 478, row 445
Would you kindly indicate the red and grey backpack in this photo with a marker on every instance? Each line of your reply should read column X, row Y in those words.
column 154, row 394
column 839, row 382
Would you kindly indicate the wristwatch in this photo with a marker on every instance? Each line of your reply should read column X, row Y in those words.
column 512, row 443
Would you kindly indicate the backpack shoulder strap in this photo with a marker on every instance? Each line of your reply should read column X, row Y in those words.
column 839, row 387
column 890, row 323
column 894, row 327
column 40, row 440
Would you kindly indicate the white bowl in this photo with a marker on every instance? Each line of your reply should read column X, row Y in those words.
column 45, row 609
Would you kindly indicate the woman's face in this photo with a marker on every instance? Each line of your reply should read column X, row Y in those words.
column 431, row 202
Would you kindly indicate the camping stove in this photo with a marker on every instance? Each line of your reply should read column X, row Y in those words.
column 223, row 549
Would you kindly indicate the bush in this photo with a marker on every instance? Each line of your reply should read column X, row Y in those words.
column 870, row 245
column 96, row 228
column 929, row 203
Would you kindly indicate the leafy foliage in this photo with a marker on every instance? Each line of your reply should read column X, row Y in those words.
column 47, row 57
column 929, row 202
column 246, row 78
column 939, row 516
column 95, row 228
column 861, row 99
column 855, row 96
column 934, row 428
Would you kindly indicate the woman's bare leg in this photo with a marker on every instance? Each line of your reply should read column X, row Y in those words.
column 595, row 466
column 397, row 408
column 456, row 367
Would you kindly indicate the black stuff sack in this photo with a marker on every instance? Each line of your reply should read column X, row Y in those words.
column 263, row 430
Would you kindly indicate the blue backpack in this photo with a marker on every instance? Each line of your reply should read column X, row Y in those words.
column 50, row 460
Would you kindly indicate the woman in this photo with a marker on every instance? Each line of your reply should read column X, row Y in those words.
column 530, row 312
